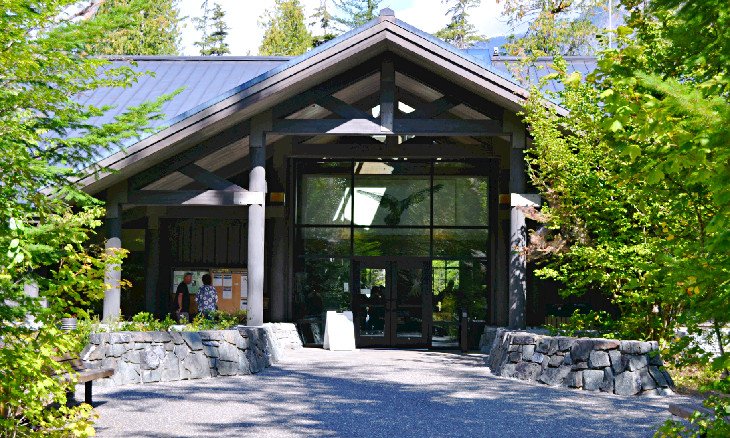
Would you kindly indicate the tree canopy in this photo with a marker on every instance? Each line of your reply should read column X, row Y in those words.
column 48, row 140
column 554, row 27
column 286, row 32
column 354, row 13
column 139, row 27
column 459, row 31
column 636, row 177
column 214, row 30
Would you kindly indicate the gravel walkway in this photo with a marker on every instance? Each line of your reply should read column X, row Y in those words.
column 371, row 393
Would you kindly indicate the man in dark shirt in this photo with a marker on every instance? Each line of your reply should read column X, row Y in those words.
column 182, row 296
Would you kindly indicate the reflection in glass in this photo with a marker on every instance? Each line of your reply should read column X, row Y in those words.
column 324, row 200
column 392, row 241
column 323, row 284
column 392, row 200
column 371, row 303
column 409, row 303
column 331, row 242
column 454, row 242
column 461, row 201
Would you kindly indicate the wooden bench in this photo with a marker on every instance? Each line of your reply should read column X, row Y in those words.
column 82, row 375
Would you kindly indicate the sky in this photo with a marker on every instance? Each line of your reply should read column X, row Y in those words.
column 244, row 35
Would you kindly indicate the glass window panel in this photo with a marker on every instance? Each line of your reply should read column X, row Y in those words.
column 392, row 241
column 325, row 200
column 402, row 167
column 460, row 201
column 473, row 167
column 321, row 285
column 331, row 242
column 445, row 286
column 371, row 303
column 392, row 200
column 454, row 242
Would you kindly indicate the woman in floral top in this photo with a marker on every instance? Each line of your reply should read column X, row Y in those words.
column 207, row 297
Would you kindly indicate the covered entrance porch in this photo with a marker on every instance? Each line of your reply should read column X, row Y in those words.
column 382, row 172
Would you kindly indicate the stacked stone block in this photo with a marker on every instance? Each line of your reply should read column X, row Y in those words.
column 607, row 365
column 148, row 357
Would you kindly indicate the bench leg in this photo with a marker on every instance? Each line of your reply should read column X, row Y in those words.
column 87, row 392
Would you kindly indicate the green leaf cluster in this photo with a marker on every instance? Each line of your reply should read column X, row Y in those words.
column 351, row 14
column 637, row 176
column 48, row 140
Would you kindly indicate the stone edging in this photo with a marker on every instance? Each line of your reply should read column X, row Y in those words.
column 148, row 357
column 608, row 365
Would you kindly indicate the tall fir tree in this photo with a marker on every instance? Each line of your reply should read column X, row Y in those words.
column 141, row 27
column 285, row 33
column 460, row 32
column 354, row 13
column 323, row 20
column 214, row 30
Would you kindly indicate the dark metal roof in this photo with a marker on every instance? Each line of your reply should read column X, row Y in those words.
column 541, row 67
column 203, row 78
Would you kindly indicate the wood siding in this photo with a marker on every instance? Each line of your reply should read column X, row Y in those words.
column 205, row 242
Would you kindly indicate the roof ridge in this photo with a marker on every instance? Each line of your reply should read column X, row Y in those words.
column 194, row 58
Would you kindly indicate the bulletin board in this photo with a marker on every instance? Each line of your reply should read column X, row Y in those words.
column 232, row 288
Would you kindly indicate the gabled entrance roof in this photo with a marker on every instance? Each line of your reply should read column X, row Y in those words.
column 289, row 78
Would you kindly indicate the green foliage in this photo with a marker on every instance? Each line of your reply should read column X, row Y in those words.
column 218, row 320
column 354, row 13
column 636, row 178
column 555, row 27
column 139, row 27
column 459, row 31
column 285, row 33
column 323, row 19
column 592, row 323
column 47, row 140
column 702, row 425
column 214, row 30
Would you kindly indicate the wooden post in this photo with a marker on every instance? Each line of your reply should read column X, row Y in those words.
column 113, row 274
column 260, row 124
column 518, row 229
column 387, row 95
column 152, row 258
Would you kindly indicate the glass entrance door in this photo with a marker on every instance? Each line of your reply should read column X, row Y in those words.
column 392, row 303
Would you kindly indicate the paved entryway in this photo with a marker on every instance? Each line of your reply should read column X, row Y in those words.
column 371, row 393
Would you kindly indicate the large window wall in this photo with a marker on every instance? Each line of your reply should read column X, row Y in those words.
column 431, row 210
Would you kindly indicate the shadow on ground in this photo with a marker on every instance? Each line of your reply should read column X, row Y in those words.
column 372, row 393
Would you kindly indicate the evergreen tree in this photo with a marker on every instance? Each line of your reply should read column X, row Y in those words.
column 323, row 19
column 141, row 27
column 355, row 13
column 286, row 32
column 555, row 27
column 214, row 29
column 460, row 32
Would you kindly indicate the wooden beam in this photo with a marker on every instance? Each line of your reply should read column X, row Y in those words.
column 209, row 179
column 341, row 108
column 447, row 88
column 435, row 127
column 327, row 88
column 206, row 147
column 430, row 110
column 384, row 151
column 387, row 95
column 173, row 198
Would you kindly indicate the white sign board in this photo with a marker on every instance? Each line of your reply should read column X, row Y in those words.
column 339, row 331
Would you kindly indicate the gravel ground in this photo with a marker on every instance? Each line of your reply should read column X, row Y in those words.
column 371, row 393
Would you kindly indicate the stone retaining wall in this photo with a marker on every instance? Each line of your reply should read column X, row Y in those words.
column 283, row 337
column 619, row 367
column 148, row 357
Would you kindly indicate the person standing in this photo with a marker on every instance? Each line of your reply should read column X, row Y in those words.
column 207, row 297
column 182, row 298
